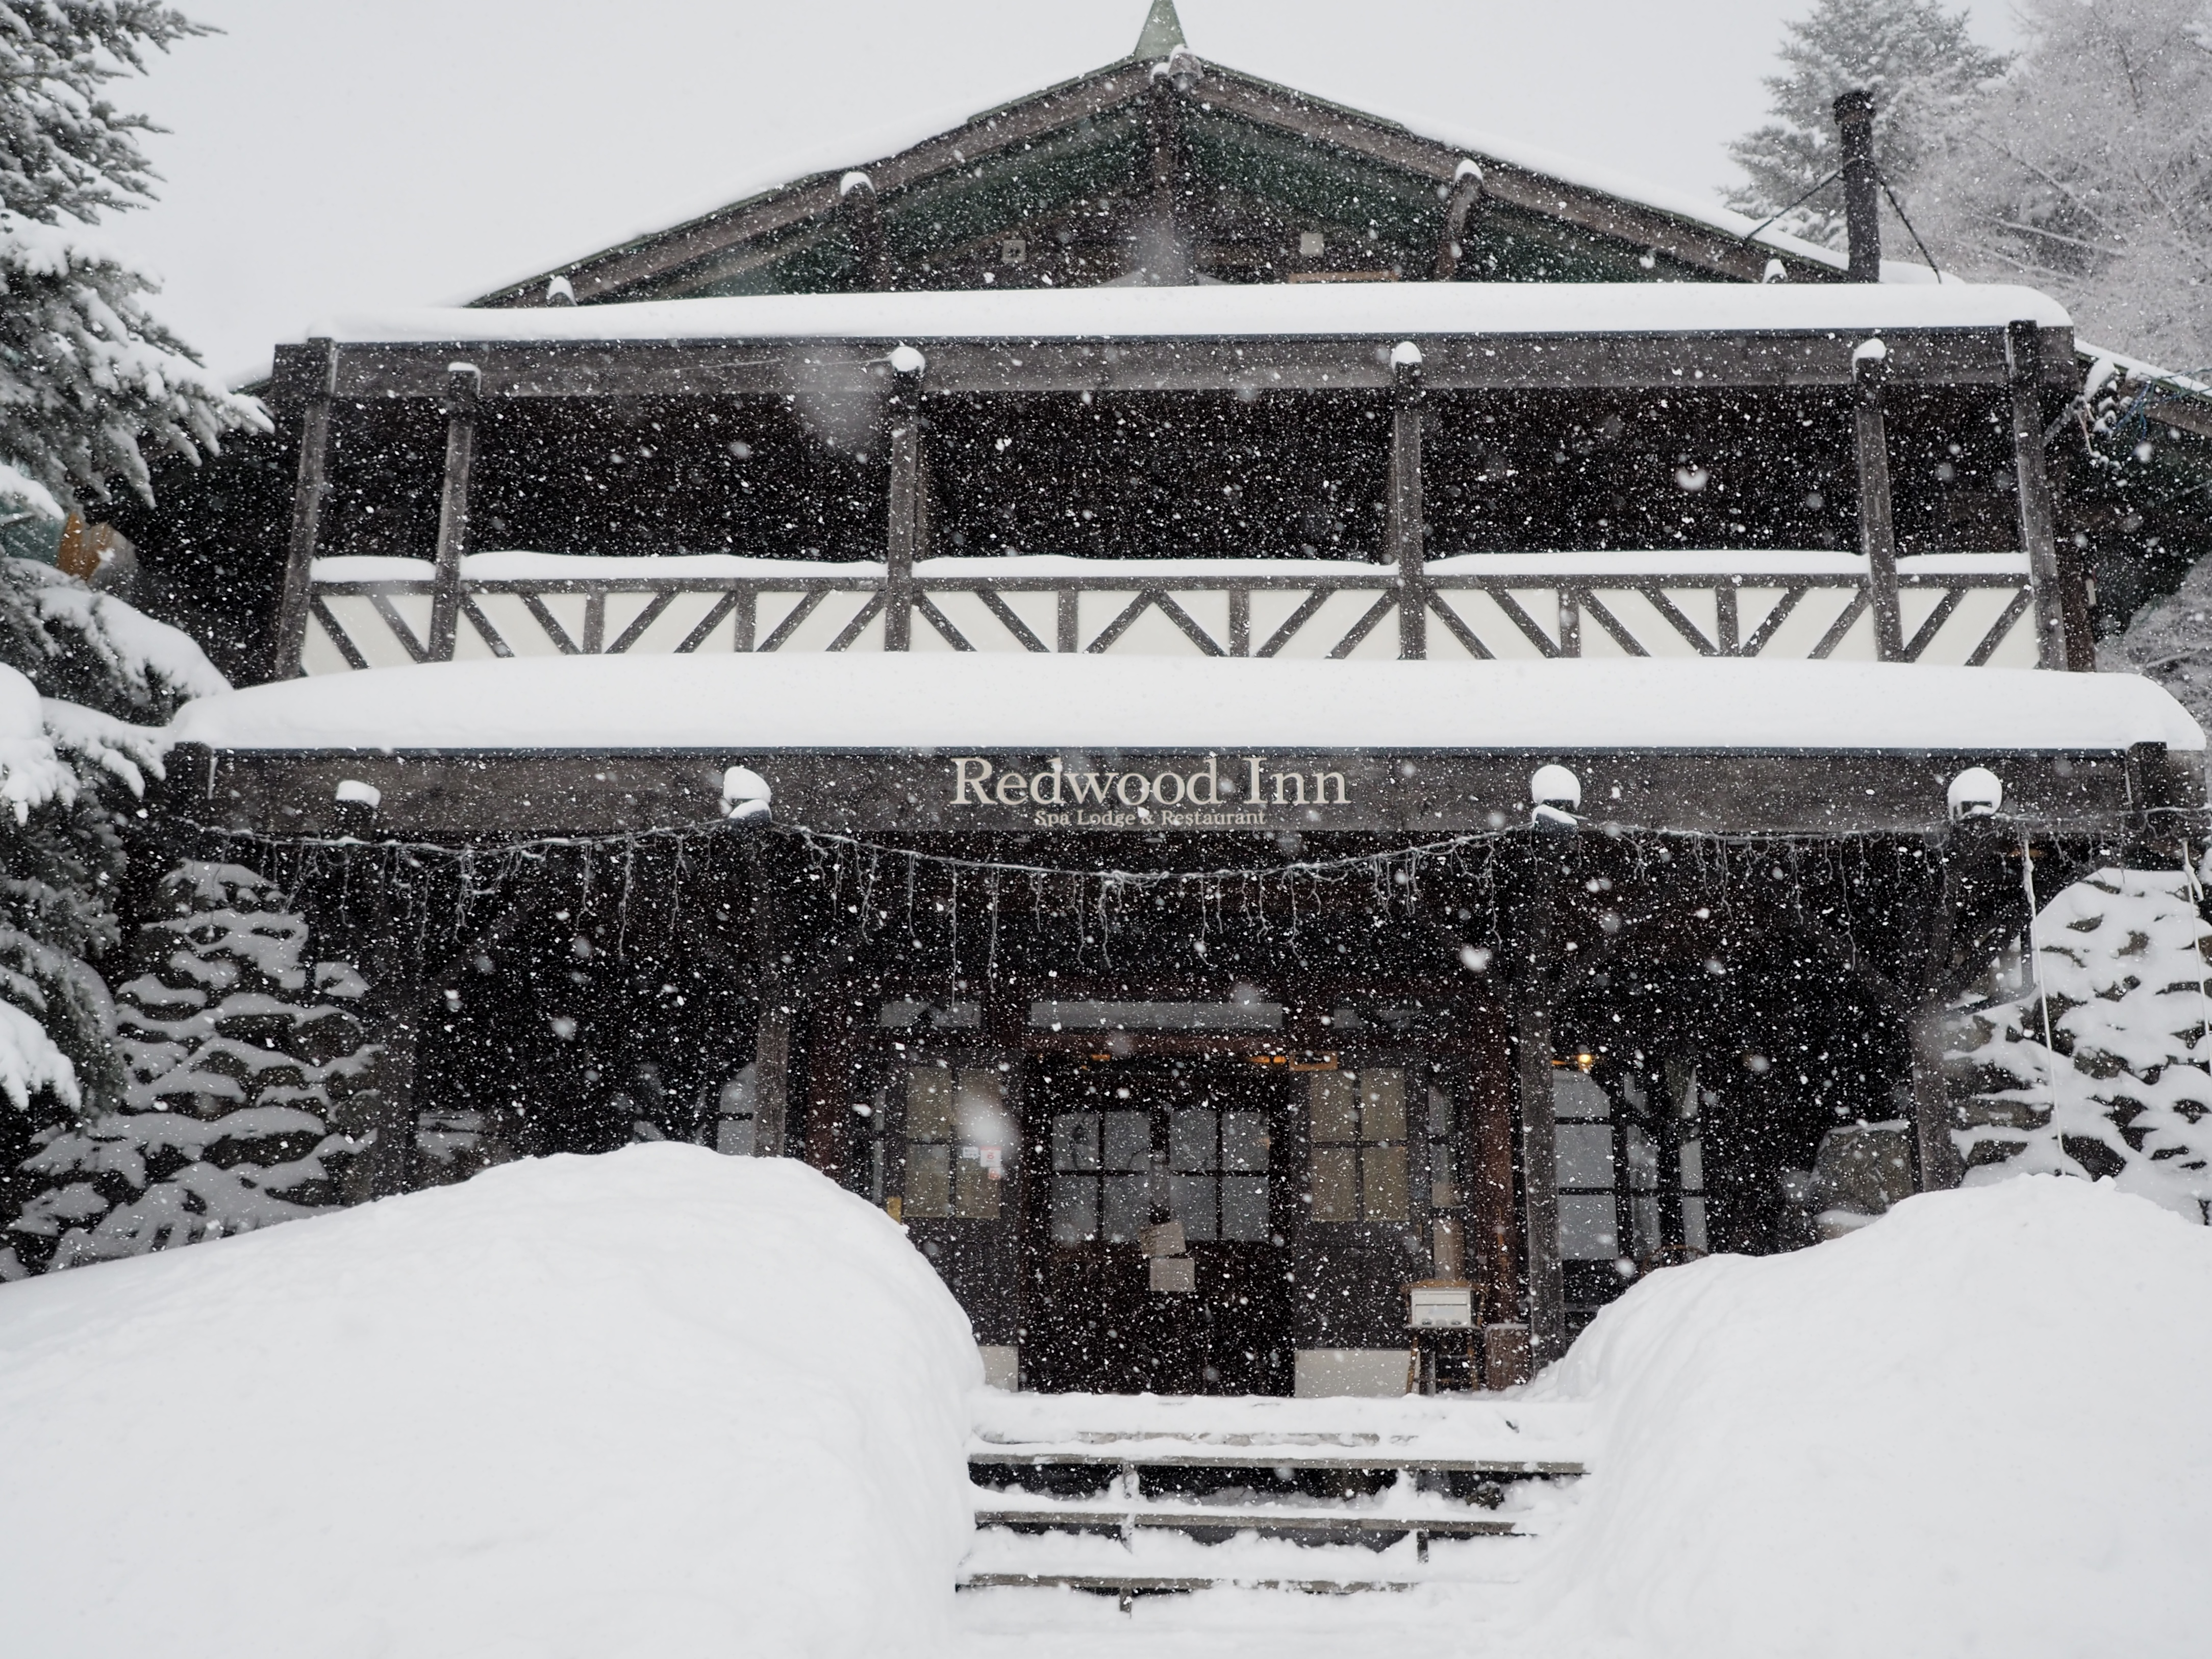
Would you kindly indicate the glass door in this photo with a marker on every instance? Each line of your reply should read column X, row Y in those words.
column 1159, row 1256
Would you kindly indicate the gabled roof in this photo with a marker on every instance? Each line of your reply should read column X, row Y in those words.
column 1117, row 175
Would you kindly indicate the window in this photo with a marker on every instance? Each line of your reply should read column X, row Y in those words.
column 1358, row 1134
column 1101, row 1163
column 958, row 1143
column 1590, row 1224
column 1217, row 1174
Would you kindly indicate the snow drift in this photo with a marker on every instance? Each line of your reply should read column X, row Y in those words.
column 660, row 1402
column 1977, row 1425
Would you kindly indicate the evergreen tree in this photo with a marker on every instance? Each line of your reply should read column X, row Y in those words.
column 239, row 1045
column 2088, row 172
column 2096, row 1065
column 1913, row 55
column 87, row 375
column 2170, row 641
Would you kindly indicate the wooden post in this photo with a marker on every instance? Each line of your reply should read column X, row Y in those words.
column 1540, row 1152
column 2032, row 491
column 312, row 485
column 1862, row 186
column 1460, row 208
column 1403, row 533
column 903, row 538
column 463, row 382
column 1877, row 529
column 864, row 224
column 772, row 1081
column 1935, row 1156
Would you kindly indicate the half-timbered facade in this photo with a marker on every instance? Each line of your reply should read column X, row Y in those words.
column 1305, row 749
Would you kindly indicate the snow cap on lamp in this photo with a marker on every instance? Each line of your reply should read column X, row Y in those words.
column 747, row 797
column 1976, row 792
column 1554, row 792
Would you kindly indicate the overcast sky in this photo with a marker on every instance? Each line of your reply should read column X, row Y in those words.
column 329, row 156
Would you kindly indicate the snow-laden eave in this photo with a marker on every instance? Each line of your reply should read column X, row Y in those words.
column 891, row 702
column 1314, row 310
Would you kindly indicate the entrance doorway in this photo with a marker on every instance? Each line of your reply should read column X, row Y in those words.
column 1133, row 1144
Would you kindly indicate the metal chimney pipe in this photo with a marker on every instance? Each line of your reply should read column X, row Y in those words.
column 1862, row 186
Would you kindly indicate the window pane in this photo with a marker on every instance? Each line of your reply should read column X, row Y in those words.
column 980, row 1108
column 976, row 1190
column 1075, row 1141
column 928, row 1104
column 1128, row 1140
column 1243, row 1140
column 1693, row 1223
column 1335, row 1184
column 1694, row 1169
column 1440, row 1114
column 1127, row 1207
column 1381, row 1106
column 1383, row 1172
column 1575, row 1093
column 1335, row 1101
column 1074, row 1209
column 928, row 1181
column 1585, row 1154
column 1244, row 1209
column 1190, row 1142
column 1587, row 1227
column 1190, row 1200
column 1643, row 1161
column 1647, row 1225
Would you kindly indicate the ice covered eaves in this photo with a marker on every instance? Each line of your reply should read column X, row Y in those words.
column 1396, row 310
column 852, row 701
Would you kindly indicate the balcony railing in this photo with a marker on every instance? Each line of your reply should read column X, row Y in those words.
column 1974, row 610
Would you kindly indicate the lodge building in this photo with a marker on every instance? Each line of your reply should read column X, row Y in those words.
column 1305, row 747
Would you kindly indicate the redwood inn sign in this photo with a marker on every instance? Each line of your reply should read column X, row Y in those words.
column 797, row 774
column 1061, row 795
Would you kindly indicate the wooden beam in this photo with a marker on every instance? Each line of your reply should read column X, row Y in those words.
column 666, row 253
column 907, row 523
column 1489, row 362
column 461, row 404
column 311, row 484
column 772, row 1082
column 1877, row 530
column 1330, row 126
column 1533, row 982
column 1405, row 529
column 2031, row 493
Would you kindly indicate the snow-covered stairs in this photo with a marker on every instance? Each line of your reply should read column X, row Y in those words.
column 1135, row 1495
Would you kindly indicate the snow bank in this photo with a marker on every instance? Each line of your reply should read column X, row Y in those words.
column 1977, row 1425
column 985, row 701
column 659, row 1403
column 1313, row 309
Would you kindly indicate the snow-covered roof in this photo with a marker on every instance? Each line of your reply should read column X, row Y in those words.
column 902, row 702
column 1224, row 311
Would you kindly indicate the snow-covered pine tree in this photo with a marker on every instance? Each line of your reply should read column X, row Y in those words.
column 2096, row 1065
column 1915, row 55
column 2170, row 641
column 2086, row 171
column 87, row 375
column 238, row 1044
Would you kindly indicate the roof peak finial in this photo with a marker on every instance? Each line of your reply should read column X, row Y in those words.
column 1162, row 35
